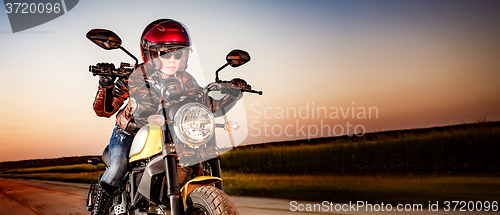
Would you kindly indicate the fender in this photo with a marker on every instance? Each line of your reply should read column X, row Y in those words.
column 195, row 183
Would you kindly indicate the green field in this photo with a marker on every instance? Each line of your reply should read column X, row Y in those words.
column 462, row 150
column 449, row 164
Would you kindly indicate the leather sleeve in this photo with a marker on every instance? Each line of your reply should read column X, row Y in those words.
column 109, row 100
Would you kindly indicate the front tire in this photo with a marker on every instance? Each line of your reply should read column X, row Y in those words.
column 208, row 200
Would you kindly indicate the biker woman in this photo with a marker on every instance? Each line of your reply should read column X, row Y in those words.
column 165, row 47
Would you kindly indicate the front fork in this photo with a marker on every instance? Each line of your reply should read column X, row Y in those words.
column 171, row 174
column 173, row 185
column 215, row 170
column 172, row 177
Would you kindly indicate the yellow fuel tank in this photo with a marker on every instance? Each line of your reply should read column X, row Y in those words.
column 146, row 143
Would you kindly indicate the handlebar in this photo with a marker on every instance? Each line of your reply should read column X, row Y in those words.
column 124, row 71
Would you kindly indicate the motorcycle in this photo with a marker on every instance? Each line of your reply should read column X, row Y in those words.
column 179, row 133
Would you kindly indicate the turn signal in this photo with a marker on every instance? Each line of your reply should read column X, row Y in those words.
column 231, row 126
column 157, row 120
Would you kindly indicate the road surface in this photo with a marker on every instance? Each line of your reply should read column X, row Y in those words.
column 34, row 197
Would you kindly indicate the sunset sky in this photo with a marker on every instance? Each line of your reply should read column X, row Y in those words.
column 413, row 63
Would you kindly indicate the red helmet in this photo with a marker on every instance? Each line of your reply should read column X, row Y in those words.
column 164, row 34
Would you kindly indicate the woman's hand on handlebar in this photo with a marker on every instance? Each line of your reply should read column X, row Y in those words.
column 245, row 87
column 106, row 80
column 241, row 83
column 234, row 87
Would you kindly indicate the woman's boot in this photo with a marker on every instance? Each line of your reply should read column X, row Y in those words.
column 104, row 197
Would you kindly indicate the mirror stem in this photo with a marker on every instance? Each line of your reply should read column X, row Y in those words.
column 129, row 54
column 217, row 72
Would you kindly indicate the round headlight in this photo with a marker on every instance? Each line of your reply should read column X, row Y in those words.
column 194, row 124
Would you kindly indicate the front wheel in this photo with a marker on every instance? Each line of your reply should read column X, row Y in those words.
column 207, row 200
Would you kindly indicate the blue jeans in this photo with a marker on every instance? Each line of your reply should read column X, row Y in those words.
column 119, row 149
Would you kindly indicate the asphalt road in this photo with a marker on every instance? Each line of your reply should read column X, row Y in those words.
column 27, row 197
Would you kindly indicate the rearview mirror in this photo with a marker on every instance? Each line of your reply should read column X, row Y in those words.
column 106, row 39
column 237, row 58
column 93, row 161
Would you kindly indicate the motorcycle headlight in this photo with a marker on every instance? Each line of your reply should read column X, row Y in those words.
column 194, row 124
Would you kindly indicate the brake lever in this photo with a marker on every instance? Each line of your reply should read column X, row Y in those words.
column 252, row 91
